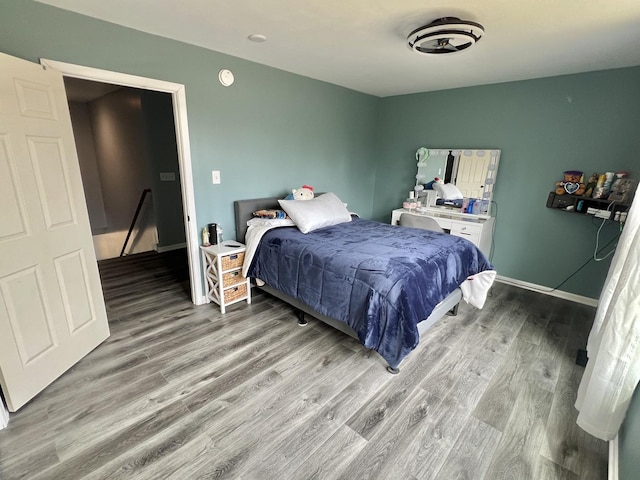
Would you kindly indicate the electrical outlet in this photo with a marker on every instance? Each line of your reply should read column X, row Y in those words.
column 215, row 177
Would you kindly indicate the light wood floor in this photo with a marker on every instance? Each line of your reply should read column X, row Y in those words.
column 183, row 392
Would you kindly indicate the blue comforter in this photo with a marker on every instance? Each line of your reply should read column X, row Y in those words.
column 379, row 279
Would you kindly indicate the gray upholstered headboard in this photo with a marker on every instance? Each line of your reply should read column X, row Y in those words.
column 243, row 210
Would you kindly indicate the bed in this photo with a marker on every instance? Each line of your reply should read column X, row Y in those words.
column 381, row 284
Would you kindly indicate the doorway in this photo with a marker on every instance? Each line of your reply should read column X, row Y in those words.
column 125, row 139
column 178, row 99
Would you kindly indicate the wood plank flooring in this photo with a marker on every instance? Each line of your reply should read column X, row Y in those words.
column 184, row 392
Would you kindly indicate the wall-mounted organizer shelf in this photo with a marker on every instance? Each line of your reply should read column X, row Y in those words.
column 597, row 207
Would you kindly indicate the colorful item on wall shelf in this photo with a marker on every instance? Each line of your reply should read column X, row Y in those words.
column 591, row 184
column 604, row 185
column 571, row 184
column 622, row 189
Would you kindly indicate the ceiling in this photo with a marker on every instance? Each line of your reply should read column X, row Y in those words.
column 361, row 44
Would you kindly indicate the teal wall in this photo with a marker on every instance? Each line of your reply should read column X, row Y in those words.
column 582, row 122
column 270, row 132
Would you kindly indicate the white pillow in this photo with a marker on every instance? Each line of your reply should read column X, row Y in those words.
column 447, row 191
column 271, row 222
column 322, row 211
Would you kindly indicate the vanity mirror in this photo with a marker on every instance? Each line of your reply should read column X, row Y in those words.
column 472, row 171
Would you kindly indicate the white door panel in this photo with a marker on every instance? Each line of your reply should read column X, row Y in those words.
column 51, row 306
column 471, row 175
column 14, row 221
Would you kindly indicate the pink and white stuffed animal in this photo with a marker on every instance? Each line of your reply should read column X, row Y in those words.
column 303, row 193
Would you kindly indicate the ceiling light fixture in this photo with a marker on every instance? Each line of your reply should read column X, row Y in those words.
column 445, row 35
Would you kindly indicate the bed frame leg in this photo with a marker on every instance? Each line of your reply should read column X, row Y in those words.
column 301, row 320
column 454, row 311
column 392, row 370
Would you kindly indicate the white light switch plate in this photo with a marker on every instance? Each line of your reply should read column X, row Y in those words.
column 215, row 177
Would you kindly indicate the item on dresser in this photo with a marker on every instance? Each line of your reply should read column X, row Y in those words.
column 363, row 277
column 213, row 233
column 411, row 203
column 427, row 199
column 475, row 206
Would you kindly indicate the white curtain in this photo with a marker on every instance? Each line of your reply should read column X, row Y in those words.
column 613, row 369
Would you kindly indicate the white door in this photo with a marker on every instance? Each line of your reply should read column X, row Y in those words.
column 51, row 306
column 472, row 171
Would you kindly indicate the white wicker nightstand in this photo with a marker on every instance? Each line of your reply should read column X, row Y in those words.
column 223, row 274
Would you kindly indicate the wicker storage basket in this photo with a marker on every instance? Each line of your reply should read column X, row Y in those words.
column 232, row 261
column 231, row 278
column 235, row 293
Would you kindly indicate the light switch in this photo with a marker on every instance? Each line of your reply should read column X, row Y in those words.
column 215, row 177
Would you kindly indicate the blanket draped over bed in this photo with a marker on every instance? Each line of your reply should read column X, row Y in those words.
column 380, row 279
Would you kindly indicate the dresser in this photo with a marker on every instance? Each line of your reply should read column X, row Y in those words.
column 478, row 229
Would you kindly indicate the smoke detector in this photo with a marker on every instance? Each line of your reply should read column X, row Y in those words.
column 445, row 35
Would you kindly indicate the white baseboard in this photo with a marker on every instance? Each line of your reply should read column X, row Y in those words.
column 613, row 459
column 168, row 248
column 592, row 302
column 109, row 245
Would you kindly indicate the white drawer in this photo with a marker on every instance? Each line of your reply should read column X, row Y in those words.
column 465, row 228
column 445, row 223
column 471, row 232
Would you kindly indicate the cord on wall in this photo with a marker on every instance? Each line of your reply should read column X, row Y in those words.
column 584, row 264
column 494, row 207
column 595, row 250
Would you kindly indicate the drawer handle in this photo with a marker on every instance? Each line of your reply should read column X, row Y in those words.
column 235, row 274
column 233, row 257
